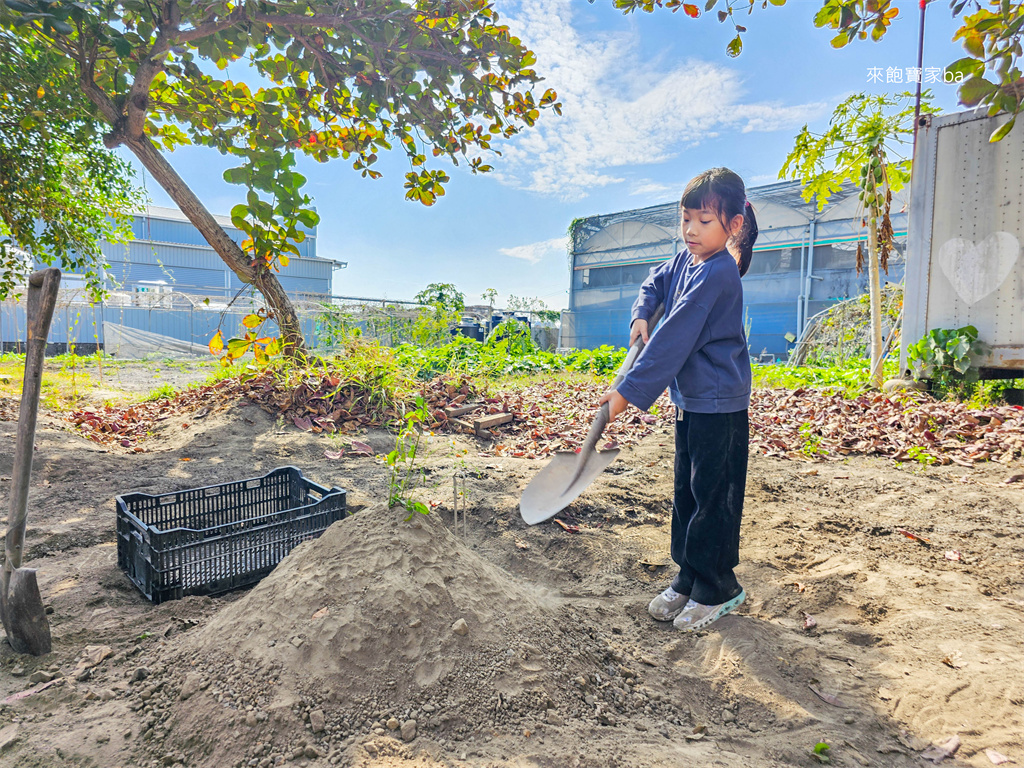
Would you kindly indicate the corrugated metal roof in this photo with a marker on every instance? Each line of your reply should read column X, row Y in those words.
column 173, row 214
column 164, row 213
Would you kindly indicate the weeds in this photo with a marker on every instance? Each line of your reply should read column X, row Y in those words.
column 821, row 753
column 163, row 392
column 71, row 360
column 921, row 456
column 811, row 440
column 949, row 359
column 987, row 394
column 503, row 356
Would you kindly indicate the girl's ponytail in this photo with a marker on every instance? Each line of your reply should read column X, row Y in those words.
column 745, row 239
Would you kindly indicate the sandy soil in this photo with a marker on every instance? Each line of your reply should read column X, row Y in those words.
column 401, row 643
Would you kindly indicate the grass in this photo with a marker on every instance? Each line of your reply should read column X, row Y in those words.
column 388, row 377
column 985, row 394
column 849, row 379
column 61, row 388
column 164, row 391
column 72, row 381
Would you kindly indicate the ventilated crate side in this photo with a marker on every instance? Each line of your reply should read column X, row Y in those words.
column 202, row 508
column 220, row 563
column 211, row 540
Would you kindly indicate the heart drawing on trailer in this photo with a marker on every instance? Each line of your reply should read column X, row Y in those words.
column 978, row 269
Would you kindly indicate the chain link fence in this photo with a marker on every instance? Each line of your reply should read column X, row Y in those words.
column 158, row 321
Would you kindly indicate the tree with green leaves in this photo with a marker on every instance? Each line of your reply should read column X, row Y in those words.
column 533, row 306
column 444, row 295
column 992, row 33
column 444, row 304
column 61, row 191
column 868, row 144
column 437, row 79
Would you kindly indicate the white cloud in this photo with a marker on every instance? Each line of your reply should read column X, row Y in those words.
column 648, row 187
column 619, row 111
column 534, row 252
column 763, row 178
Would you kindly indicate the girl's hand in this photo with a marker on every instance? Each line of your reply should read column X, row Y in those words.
column 638, row 331
column 616, row 403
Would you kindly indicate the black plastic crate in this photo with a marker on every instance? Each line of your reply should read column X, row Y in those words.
column 205, row 541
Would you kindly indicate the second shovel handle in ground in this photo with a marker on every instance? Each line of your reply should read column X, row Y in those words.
column 41, row 302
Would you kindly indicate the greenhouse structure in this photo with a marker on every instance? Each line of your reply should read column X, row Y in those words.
column 804, row 261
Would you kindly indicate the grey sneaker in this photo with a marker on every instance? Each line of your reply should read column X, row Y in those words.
column 667, row 605
column 698, row 616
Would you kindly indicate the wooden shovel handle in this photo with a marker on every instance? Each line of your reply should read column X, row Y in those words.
column 41, row 301
column 637, row 348
column 603, row 413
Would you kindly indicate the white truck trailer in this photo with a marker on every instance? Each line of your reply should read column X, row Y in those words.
column 965, row 265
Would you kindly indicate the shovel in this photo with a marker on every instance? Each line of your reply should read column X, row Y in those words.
column 21, row 606
column 559, row 484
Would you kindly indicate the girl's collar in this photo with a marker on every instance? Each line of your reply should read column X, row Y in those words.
column 689, row 256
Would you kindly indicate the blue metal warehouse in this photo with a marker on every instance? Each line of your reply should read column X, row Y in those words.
column 804, row 261
column 168, row 250
column 168, row 281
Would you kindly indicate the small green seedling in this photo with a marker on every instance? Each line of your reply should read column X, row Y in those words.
column 921, row 456
column 812, row 441
column 402, row 460
column 820, row 752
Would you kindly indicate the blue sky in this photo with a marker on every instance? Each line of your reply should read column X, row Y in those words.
column 648, row 102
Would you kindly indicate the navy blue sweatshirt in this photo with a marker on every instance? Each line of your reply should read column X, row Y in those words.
column 699, row 350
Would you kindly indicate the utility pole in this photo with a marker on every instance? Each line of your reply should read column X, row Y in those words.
column 922, row 4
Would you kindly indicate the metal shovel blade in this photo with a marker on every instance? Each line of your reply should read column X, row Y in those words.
column 568, row 474
column 553, row 489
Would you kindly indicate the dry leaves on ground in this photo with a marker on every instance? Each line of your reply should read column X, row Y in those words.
column 807, row 423
column 997, row 758
column 127, row 426
column 8, row 409
column 939, row 752
column 555, row 415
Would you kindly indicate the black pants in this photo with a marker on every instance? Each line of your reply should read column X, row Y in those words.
column 711, row 476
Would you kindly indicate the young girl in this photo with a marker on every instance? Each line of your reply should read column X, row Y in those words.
column 700, row 352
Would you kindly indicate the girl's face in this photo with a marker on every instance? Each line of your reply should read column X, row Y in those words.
column 704, row 234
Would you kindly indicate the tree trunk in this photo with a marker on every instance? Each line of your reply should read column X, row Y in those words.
column 875, row 290
column 263, row 279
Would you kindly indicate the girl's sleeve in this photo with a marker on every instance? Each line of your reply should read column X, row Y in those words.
column 652, row 292
column 671, row 344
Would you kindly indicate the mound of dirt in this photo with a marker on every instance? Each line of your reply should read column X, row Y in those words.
column 374, row 601
column 388, row 627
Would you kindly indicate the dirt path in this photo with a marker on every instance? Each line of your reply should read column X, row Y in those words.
column 560, row 665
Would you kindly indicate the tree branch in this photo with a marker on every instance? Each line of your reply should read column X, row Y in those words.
column 189, row 204
column 205, row 30
column 100, row 98
column 137, row 103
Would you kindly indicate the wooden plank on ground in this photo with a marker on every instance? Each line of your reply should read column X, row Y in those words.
column 489, row 422
column 452, row 413
column 465, row 426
